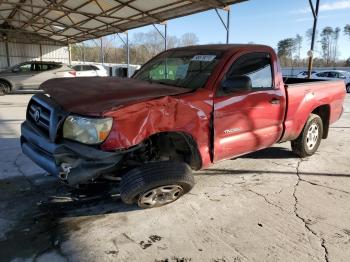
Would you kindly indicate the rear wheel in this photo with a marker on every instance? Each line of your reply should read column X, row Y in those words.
column 4, row 88
column 310, row 138
column 156, row 184
column 348, row 88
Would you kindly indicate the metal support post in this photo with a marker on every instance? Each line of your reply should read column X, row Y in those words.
column 165, row 38
column 69, row 54
column 163, row 35
column 128, row 53
column 126, row 43
column 83, row 52
column 7, row 53
column 227, row 24
column 310, row 53
column 41, row 52
column 102, row 52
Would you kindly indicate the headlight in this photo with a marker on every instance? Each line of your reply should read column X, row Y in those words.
column 87, row 130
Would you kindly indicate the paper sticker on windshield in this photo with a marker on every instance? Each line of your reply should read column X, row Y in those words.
column 203, row 58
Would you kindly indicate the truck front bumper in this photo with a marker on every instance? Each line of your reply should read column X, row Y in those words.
column 74, row 163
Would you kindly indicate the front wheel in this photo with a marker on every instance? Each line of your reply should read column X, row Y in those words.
column 156, row 184
column 4, row 88
column 310, row 138
column 348, row 88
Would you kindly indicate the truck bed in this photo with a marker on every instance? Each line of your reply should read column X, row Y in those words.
column 309, row 95
column 291, row 81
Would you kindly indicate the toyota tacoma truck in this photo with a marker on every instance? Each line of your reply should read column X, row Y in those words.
column 184, row 110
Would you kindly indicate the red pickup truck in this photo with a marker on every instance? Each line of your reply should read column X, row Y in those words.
column 184, row 110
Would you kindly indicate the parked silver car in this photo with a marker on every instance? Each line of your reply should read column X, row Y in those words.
column 29, row 75
column 335, row 75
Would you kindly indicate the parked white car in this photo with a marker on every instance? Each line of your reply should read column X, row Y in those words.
column 304, row 74
column 90, row 70
column 334, row 74
column 30, row 75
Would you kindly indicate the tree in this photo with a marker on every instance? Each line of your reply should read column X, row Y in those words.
column 188, row 39
column 285, row 50
column 308, row 35
column 347, row 30
column 335, row 47
column 347, row 62
column 327, row 36
column 143, row 46
column 298, row 45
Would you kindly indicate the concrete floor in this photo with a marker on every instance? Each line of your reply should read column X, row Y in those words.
column 267, row 206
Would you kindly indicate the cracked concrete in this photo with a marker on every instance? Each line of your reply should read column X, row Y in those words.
column 302, row 219
column 266, row 206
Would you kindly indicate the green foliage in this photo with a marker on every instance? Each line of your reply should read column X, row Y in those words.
column 347, row 30
column 329, row 44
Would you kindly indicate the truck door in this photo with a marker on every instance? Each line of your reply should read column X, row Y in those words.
column 247, row 119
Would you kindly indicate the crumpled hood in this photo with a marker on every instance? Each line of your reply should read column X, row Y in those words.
column 96, row 95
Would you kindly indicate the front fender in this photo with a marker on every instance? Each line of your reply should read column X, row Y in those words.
column 187, row 113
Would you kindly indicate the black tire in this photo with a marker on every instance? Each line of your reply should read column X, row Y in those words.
column 348, row 88
column 5, row 88
column 300, row 145
column 141, row 180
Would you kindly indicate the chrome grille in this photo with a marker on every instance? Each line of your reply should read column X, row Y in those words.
column 39, row 115
column 46, row 115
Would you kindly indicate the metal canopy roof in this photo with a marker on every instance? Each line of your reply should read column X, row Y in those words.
column 70, row 21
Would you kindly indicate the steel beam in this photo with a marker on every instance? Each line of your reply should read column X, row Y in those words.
column 315, row 15
column 70, row 54
column 7, row 53
column 227, row 23
column 126, row 43
column 102, row 51
column 163, row 35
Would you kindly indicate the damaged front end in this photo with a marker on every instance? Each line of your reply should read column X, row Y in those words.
column 72, row 162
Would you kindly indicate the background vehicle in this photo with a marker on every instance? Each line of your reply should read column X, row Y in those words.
column 304, row 74
column 30, row 75
column 90, row 70
column 334, row 75
column 184, row 110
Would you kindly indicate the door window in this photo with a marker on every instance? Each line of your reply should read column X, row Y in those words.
column 86, row 68
column 332, row 74
column 323, row 74
column 77, row 68
column 27, row 67
column 256, row 66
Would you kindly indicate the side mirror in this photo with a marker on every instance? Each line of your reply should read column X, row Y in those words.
column 236, row 83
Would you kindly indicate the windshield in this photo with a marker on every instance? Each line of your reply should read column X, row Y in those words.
column 183, row 68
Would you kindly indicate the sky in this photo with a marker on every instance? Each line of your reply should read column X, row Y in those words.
column 264, row 22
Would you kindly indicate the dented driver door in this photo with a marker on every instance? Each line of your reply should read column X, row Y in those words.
column 250, row 119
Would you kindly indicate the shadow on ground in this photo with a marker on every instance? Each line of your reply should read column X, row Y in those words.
column 272, row 153
column 36, row 212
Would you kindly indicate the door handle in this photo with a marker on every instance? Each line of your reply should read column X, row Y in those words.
column 275, row 101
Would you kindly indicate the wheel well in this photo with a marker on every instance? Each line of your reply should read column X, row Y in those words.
column 177, row 146
column 6, row 81
column 324, row 113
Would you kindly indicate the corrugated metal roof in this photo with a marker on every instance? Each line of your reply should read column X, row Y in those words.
column 78, row 20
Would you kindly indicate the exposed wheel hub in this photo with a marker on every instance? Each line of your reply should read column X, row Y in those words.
column 160, row 196
column 312, row 136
